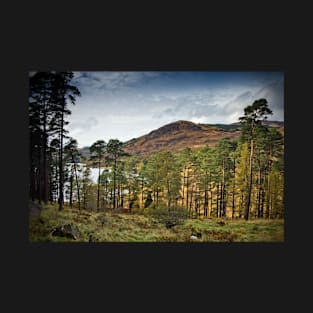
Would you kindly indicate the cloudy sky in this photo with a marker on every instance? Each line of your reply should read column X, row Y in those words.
column 126, row 105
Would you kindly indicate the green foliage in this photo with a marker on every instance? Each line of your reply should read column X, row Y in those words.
column 253, row 117
column 97, row 151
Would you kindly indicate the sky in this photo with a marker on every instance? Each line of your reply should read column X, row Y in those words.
column 126, row 105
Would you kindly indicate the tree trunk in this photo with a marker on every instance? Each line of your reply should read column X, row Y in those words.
column 71, row 187
column 142, row 187
column 267, row 212
column 32, row 174
column 222, row 207
column 114, row 182
column 247, row 211
column 56, row 177
column 85, row 197
column 262, row 203
column 190, row 202
column 217, row 201
column 187, row 188
column 241, row 205
column 259, row 193
column 168, row 194
column 61, row 174
column 77, row 186
column 225, row 196
column 118, row 200
column 45, row 172
column 111, row 196
column 206, row 202
column 129, row 195
column 39, row 175
column 121, row 197
column 98, row 190
column 234, row 188
column 50, row 188
column 211, row 195
column 183, row 189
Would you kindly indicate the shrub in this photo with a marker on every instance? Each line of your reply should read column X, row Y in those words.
column 137, row 210
column 102, row 219
column 170, row 216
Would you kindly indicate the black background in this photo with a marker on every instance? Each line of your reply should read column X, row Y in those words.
column 249, row 276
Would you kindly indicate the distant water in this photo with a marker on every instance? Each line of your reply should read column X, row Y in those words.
column 94, row 172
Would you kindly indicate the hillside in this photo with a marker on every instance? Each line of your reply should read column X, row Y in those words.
column 85, row 152
column 275, row 124
column 181, row 134
column 177, row 136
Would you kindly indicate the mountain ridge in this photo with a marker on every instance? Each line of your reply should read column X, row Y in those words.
column 178, row 135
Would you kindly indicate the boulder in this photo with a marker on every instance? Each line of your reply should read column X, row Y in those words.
column 193, row 237
column 170, row 224
column 68, row 230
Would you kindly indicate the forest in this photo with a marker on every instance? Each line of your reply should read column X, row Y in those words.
column 233, row 191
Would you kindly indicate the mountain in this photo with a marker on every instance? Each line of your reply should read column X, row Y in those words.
column 85, row 152
column 177, row 136
column 275, row 124
column 181, row 134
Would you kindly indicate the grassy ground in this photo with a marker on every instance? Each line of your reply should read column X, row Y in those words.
column 108, row 227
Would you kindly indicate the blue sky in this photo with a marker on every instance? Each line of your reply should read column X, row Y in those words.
column 126, row 105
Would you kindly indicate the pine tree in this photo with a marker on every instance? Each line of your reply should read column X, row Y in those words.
column 86, row 187
column 242, row 177
column 114, row 151
column 72, row 154
column 62, row 94
column 97, row 154
column 40, row 117
column 202, row 161
column 253, row 115
column 274, row 151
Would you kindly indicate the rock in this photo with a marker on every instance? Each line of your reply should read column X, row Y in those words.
column 68, row 230
column 193, row 237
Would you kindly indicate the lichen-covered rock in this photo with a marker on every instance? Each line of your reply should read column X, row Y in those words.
column 68, row 230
